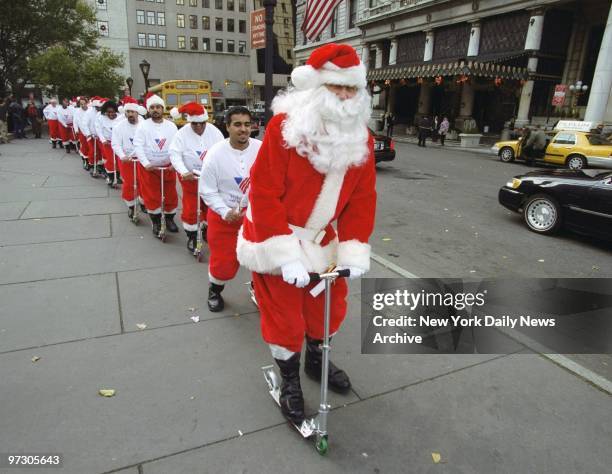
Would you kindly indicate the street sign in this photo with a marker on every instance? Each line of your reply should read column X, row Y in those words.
column 258, row 29
column 559, row 95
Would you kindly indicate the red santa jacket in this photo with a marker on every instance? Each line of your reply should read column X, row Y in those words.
column 286, row 190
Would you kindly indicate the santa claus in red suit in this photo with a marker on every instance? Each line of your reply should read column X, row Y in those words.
column 315, row 168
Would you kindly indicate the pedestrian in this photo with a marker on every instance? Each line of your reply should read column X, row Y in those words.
column 187, row 151
column 223, row 186
column 122, row 141
column 3, row 120
column 50, row 114
column 104, row 131
column 17, row 114
column 390, row 124
column 424, row 125
column 443, row 130
column 315, row 166
column 152, row 144
column 434, row 129
column 64, row 121
column 34, row 116
column 96, row 158
column 534, row 145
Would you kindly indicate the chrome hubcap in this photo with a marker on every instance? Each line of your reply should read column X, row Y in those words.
column 575, row 163
column 506, row 155
column 541, row 215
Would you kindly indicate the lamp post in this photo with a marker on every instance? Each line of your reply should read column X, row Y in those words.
column 269, row 56
column 144, row 68
column 130, row 82
column 577, row 90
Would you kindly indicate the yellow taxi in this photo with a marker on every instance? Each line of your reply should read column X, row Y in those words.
column 572, row 145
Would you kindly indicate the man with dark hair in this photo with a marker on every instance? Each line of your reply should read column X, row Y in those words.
column 424, row 129
column 3, row 124
column 104, row 131
column 17, row 115
column 224, row 186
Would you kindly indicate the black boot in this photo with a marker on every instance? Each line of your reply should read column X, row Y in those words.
column 131, row 212
column 170, row 225
column 110, row 177
column 143, row 208
column 192, row 237
column 215, row 300
column 67, row 147
column 291, row 397
column 155, row 223
column 205, row 233
column 54, row 145
column 338, row 381
column 61, row 144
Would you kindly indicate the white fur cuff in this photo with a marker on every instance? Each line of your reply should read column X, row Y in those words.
column 269, row 255
column 353, row 253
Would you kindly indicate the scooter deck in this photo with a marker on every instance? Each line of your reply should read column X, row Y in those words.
column 308, row 426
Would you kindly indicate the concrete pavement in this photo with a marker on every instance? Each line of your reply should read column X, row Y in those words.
column 76, row 277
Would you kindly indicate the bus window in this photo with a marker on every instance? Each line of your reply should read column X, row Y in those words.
column 170, row 99
column 203, row 98
column 187, row 98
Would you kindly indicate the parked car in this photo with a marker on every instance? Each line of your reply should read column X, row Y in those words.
column 384, row 147
column 549, row 199
column 572, row 145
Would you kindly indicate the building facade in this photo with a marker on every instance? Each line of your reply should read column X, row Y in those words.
column 111, row 21
column 484, row 63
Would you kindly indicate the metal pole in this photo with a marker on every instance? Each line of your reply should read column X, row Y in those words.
column 269, row 56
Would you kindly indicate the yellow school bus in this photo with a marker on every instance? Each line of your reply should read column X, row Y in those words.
column 179, row 92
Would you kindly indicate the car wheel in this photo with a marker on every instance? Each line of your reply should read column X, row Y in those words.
column 542, row 214
column 506, row 154
column 576, row 162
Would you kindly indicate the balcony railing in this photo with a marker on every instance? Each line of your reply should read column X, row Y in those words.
column 383, row 7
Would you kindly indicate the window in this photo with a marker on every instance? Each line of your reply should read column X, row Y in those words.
column 161, row 41
column 242, row 47
column 218, row 24
column 140, row 17
column 171, row 99
column 598, row 140
column 180, row 20
column 565, row 139
column 161, row 1
column 334, row 23
column 193, row 43
column 142, row 39
column 101, row 4
column 205, row 3
column 150, row 18
column 352, row 13
column 230, row 25
column 161, row 19
column 180, row 2
column 242, row 26
column 180, row 42
column 230, row 46
column 206, row 23
column 219, row 4
column 193, row 22
column 219, row 46
column 289, row 54
column 284, row 7
column 193, row 3
column 152, row 40
column 103, row 28
column 206, row 44
column 230, row 5
column 242, row 6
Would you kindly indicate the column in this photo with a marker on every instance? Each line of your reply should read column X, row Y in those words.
column 391, row 102
column 365, row 54
column 602, row 79
column 378, row 99
column 393, row 52
column 532, row 43
column 474, row 46
column 429, row 45
column 467, row 105
column 424, row 99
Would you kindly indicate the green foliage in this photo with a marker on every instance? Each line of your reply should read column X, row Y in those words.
column 29, row 28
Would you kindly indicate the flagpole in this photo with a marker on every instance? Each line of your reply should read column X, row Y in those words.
column 269, row 56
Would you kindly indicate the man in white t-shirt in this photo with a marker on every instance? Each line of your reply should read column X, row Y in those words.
column 224, row 186
column 152, row 146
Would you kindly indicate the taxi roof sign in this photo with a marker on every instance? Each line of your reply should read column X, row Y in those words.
column 574, row 126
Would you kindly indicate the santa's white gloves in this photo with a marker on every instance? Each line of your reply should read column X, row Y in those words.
column 355, row 271
column 295, row 273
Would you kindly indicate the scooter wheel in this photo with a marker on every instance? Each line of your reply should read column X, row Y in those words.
column 322, row 445
column 199, row 257
column 162, row 237
column 135, row 220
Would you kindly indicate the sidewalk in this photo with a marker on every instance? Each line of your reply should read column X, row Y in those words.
column 76, row 277
column 454, row 145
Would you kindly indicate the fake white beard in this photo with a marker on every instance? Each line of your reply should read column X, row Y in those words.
column 331, row 133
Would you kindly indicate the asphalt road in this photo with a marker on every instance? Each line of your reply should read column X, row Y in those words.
column 440, row 211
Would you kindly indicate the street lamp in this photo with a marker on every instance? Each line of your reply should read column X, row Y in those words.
column 144, row 68
column 130, row 82
column 577, row 89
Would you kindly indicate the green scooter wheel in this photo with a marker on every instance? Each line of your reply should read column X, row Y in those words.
column 322, row 445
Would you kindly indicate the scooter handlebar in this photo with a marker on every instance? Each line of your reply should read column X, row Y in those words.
column 315, row 277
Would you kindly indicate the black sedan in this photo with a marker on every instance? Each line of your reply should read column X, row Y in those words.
column 580, row 200
column 384, row 147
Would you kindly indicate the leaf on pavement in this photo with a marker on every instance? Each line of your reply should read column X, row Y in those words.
column 386, row 239
column 141, row 326
column 195, row 319
column 436, row 458
column 35, row 359
column 107, row 392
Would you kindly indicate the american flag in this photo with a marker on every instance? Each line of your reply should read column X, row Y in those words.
column 243, row 183
column 201, row 154
column 160, row 142
column 317, row 16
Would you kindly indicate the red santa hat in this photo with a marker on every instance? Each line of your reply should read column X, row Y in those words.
column 336, row 64
column 97, row 101
column 193, row 111
column 129, row 103
column 153, row 99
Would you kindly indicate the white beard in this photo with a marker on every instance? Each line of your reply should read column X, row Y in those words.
column 331, row 133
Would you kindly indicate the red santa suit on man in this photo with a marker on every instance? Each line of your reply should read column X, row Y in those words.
column 187, row 151
column 122, row 142
column 50, row 114
column 81, row 127
column 104, row 130
column 91, row 117
column 64, row 120
column 152, row 144
column 315, row 167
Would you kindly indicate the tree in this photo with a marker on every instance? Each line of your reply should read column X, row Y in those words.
column 30, row 27
column 68, row 74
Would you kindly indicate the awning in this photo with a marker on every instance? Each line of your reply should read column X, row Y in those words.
column 466, row 68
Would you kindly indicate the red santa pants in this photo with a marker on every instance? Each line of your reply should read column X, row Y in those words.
column 189, row 215
column 66, row 134
column 126, row 168
column 288, row 313
column 95, row 151
column 53, row 130
column 84, row 148
column 150, row 188
column 222, row 239
column 109, row 157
